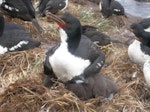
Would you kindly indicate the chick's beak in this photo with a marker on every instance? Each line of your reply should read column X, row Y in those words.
column 58, row 20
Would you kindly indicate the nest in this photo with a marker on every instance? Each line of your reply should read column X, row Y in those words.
column 22, row 89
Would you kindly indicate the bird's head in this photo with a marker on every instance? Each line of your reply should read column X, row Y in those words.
column 68, row 23
column 55, row 6
column 137, row 29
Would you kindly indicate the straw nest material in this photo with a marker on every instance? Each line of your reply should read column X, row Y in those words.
column 21, row 74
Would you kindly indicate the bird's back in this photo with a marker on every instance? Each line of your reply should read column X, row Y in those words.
column 88, row 50
column 105, row 8
column 13, row 37
column 95, row 36
column 117, row 8
column 13, row 26
column 22, row 9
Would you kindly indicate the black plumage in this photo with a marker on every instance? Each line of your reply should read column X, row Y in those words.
column 22, row 9
column 111, row 7
column 145, row 23
column 141, row 34
column 53, row 6
column 104, row 6
column 13, row 37
column 98, row 85
column 96, row 36
column 117, row 8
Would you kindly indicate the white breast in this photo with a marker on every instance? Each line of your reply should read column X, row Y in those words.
column 100, row 5
column 1, row 1
column 146, row 71
column 135, row 53
column 65, row 65
column 147, row 29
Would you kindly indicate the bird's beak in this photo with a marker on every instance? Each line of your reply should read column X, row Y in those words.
column 58, row 20
column 138, row 38
column 130, row 29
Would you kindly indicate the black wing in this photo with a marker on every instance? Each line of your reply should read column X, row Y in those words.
column 89, row 50
column 22, row 9
column 19, row 38
column 48, row 72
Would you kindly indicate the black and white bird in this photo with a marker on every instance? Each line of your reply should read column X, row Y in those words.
column 139, row 50
column 104, row 7
column 76, row 61
column 53, row 6
column 110, row 7
column 13, row 37
column 141, row 34
column 80, row 55
column 22, row 9
column 140, row 54
column 96, row 36
column 145, row 24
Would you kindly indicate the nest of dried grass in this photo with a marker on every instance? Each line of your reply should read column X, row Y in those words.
column 21, row 73
column 32, row 96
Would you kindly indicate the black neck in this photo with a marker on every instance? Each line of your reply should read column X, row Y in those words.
column 145, row 49
column 74, row 39
column 1, row 25
column 146, row 35
column 146, row 38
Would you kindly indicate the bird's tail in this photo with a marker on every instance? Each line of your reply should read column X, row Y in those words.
column 116, row 41
column 37, row 26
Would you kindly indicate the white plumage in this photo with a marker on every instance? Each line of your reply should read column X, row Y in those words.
column 146, row 71
column 135, row 53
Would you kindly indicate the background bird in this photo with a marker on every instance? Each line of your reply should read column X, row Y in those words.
column 13, row 37
column 104, row 6
column 117, row 8
column 145, row 24
column 139, row 50
column 53, row 6
column 22, row 9
column 113, row 9
column 96, row 36
column 141, row 34
column 110, row 7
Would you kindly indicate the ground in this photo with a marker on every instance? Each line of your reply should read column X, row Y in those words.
column 22, row 89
